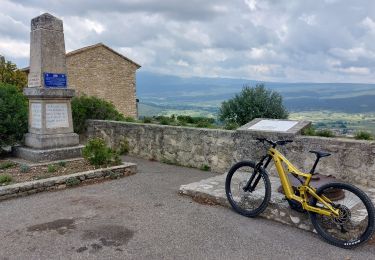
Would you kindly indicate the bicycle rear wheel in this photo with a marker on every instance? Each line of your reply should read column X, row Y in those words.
column 247, row 203
column 354, row 225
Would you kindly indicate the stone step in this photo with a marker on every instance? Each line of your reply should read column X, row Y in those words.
column 213, row 190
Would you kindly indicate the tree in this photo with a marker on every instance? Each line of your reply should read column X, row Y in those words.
column 9, row 74
column 252, row 102
column 13, row 115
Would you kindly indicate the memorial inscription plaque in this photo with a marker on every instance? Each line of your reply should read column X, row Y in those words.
column 34, row 80
column 36, row 115
column 57, row 115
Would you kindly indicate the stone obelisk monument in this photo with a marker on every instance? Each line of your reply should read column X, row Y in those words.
column 50, row 135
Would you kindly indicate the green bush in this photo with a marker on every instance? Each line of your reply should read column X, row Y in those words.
column 62, row 163
column 13, row 115
column 324, row 133
column 52, row 168
column 98, row 154
column 309, row 131
column 147, row 120
column 253, row 102
column 205, row 167
column 363, row 135
column 5, row 179
column 231, row 126
column 130, row 119
column 6, row 165
column 24, row 168
column 123, row 147
column 85, row 107
column 72, row 181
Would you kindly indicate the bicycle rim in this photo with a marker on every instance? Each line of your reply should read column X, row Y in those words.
column 355, row 223
column 245, row 202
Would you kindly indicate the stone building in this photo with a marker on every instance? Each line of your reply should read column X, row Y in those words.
column 98, row 70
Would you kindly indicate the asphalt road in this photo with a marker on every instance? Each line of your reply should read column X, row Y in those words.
column 143, row 217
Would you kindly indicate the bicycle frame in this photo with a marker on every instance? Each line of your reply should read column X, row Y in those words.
column 304, row 189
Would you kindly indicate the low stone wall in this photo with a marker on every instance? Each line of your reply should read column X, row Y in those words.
column 351, row 160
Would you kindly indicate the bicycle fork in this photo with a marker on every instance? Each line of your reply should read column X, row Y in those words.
column 250, row 186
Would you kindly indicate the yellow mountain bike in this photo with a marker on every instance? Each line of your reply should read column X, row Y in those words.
column 345, row 220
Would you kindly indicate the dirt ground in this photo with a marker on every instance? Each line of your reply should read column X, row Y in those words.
column 23, row 173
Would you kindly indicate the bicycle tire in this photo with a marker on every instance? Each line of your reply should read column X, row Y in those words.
column 318, row 220
column 230, row 187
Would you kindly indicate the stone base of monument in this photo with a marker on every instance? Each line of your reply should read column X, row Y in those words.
column 46, row 155
column 50, row 141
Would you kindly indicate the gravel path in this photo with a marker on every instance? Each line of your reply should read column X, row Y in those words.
column 143, row 217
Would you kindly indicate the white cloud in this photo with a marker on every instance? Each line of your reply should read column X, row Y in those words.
column 308, row 19
column 252, row 4
column 369, row 24
column 284, row 40
column 14, row 49
column 355, row 70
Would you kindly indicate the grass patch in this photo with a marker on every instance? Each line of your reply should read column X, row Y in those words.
column 52, row 168
column 363, row 135
column 6, row 165
column 324, row 133
column 72, row 181
column 205, row 167
column 62, row 163
column 5, row 179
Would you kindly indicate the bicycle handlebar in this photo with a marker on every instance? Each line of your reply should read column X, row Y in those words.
column 274, row 143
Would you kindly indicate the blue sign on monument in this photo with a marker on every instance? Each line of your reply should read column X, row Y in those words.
column 54, row 80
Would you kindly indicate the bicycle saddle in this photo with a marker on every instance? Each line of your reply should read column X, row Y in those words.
column 320, row 154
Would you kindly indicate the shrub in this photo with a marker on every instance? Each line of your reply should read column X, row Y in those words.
column 129, row 119
column 363, row 135
column 309, row 131
column 253, row 102
column 5, row 179
column 98, row 154
column 231, row 126
column 205, row 167
column 165, row 121
column 147, row 120
column 123, row 146
column 6, row 165
column 52, row 168
column 13, row 115
column 85, row 107
column 324, row 133
column 24, row 168
column 72, row 181
column 62, row 163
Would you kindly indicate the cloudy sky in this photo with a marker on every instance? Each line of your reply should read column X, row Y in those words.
column 270, row 40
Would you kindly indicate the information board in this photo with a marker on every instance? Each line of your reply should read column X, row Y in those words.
column 273, row 125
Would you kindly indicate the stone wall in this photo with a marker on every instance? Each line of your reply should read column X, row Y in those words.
column 99, row 71
column 351, row 160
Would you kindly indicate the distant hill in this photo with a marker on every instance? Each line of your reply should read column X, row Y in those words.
column 171, row 92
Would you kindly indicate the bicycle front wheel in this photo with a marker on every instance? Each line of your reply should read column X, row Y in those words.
column 355, row 223
column 245, row 202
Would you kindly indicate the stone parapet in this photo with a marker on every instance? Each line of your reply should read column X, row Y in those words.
column 352, row 161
